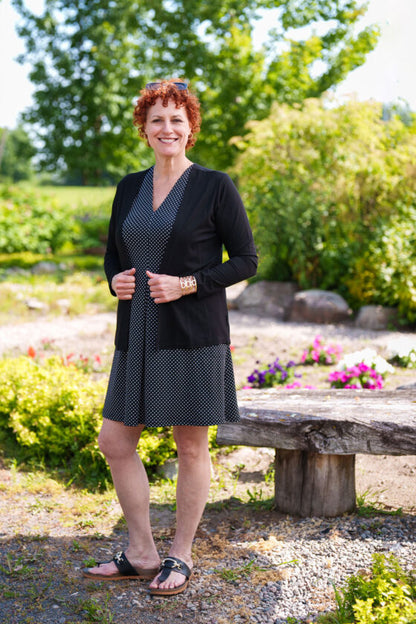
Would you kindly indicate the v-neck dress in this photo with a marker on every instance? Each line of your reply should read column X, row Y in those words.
column 164, row 387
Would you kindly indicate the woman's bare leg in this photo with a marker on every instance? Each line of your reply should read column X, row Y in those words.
column 119, row 444
column 192, row 490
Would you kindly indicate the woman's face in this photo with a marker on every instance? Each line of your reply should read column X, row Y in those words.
column 167, row 129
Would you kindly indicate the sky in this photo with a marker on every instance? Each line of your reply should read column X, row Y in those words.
column 388, row 74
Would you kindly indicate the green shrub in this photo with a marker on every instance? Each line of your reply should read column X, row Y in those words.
column 384, row 595
column 385, row 273
column 52, row 412
column 32, row 222
column 91, row 232
column 317, row 183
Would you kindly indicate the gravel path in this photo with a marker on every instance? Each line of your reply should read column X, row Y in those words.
column 251, row 564
column 82, row 328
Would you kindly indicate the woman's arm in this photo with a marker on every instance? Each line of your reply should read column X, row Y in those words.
column 234, row 231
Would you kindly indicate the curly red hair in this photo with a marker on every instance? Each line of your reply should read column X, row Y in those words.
column 167, row 91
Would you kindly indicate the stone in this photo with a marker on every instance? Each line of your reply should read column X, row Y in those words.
column 269, row 298
column 35, row 304
column 44, row 268
column 63, row 305
column 169, row 470
column 233, row 292
column 376, row 317
column 319, row 306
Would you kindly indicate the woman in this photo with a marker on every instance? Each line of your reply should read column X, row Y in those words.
column 172, row 364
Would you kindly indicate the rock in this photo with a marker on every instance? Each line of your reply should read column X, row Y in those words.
column 63, row 305
column 376, row 317
column 44, row 268
column 411, row 386
column 319, row 306
column 269, row 298
column 35, row 304
column 233, row 292
column 169, row 470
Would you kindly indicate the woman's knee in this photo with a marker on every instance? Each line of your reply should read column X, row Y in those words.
column 117, row 441
column 191, row 443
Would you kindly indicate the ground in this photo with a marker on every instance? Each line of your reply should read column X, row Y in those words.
column 50, row 529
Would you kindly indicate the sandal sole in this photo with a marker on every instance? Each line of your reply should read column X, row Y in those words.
column 169, row 592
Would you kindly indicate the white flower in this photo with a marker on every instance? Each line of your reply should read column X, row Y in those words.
column 368, row 357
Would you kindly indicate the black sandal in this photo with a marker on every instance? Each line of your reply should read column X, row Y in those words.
column 168, row 565
column 125, row 570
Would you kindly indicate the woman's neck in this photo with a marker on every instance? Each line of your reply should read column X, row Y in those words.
column 170, row 168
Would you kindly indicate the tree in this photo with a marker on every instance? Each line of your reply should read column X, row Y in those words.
column 90, row 58
column 16, row 154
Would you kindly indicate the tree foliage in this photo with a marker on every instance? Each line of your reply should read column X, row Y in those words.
column 16, row 153
column 331, row 194
column 91, row 57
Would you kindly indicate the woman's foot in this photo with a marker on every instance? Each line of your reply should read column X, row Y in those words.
column 173, row 577
column 121, row 567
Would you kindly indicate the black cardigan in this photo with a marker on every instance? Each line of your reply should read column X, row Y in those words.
column 211, row 215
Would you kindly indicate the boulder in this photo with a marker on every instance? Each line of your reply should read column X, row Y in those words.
column 44, row 268
column 376, row 317
column 319, row 306
column 269, row 298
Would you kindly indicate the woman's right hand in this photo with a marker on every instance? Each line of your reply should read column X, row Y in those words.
column 124, row 284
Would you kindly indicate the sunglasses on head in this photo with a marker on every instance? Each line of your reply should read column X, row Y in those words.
column 153, row 86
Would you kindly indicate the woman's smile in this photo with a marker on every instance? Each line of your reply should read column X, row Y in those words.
column 167, row 127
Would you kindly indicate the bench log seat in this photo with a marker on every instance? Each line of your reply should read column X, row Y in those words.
column 316, row 434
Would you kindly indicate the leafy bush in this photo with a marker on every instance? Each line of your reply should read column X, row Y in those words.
column 51, row 409
column 53, row 413
column 385, row 273
column 30, row 221
column 384, row 595
column 318, row 183
column 91, row 232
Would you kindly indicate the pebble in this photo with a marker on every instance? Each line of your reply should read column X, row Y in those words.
column 319, row 560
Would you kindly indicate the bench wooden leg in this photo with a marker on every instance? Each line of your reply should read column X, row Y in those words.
column 312, row 484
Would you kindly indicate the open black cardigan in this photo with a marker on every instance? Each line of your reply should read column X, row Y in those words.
column 211, row 215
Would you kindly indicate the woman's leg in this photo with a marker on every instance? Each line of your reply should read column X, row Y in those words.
column 192, row 490
column 119, row 444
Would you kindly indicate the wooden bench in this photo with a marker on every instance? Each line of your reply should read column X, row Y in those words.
column 316, row 434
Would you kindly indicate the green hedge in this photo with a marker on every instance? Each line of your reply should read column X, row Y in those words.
column 51, row 413
column 325, row 189
column 31, row 221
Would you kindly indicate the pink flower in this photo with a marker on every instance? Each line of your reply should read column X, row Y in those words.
column 293, row 385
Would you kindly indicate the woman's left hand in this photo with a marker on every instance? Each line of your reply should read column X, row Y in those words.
column 164, row 288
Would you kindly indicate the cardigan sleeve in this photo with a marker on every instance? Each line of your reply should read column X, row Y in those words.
column 234, row 232
column 112, row 264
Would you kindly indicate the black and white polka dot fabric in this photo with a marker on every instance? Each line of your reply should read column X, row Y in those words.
column 164, row 387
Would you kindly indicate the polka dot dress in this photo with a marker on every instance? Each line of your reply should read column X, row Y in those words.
column 164, row 387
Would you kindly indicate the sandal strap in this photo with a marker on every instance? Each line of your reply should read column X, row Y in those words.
column 123, row 564
column 173, row 564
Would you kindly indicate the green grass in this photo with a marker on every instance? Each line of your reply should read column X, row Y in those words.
column 89, row 199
